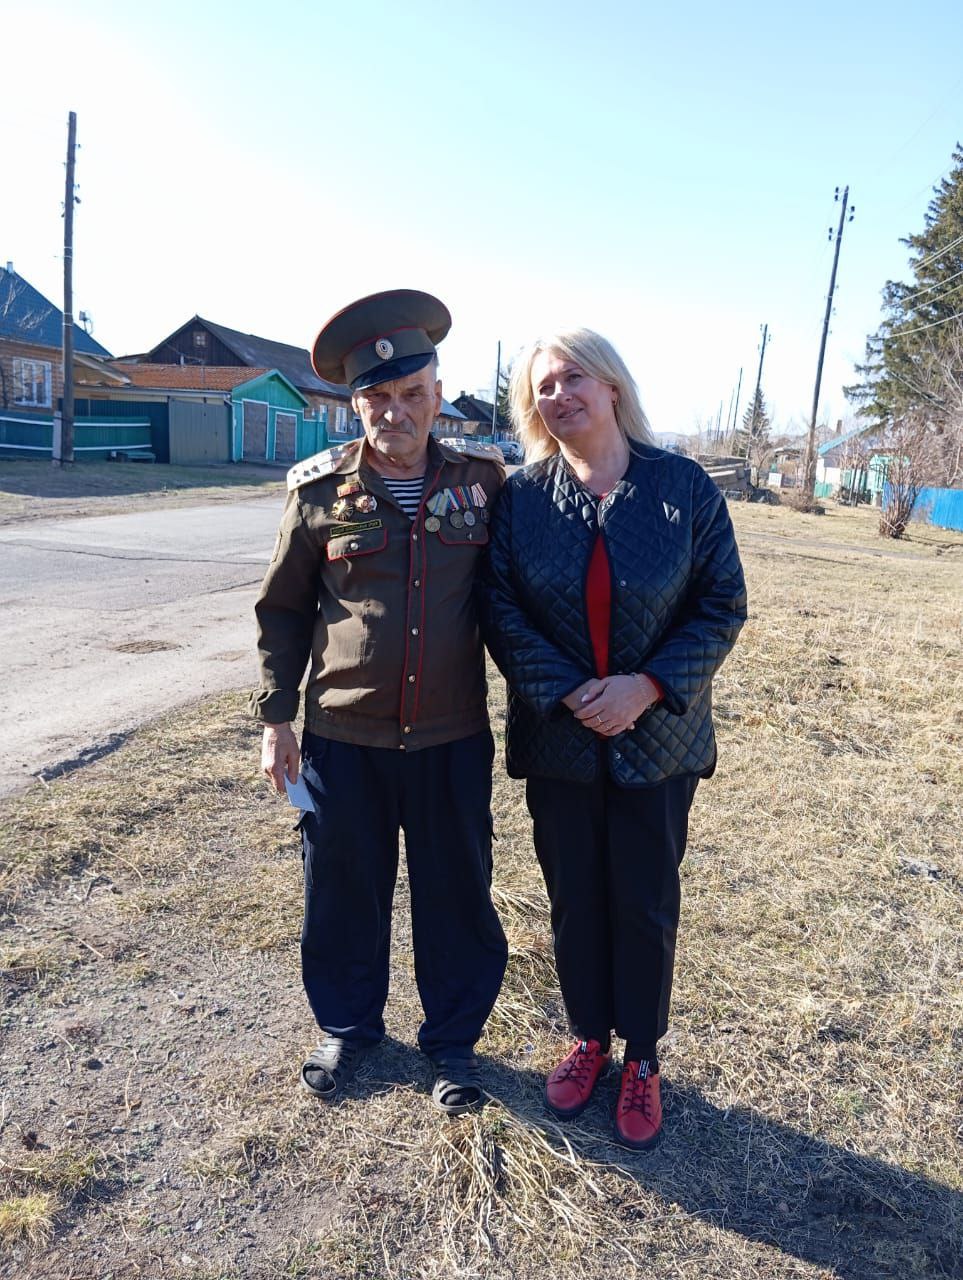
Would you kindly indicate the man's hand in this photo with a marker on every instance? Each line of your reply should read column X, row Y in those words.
column 280, row 755
column 615, row 703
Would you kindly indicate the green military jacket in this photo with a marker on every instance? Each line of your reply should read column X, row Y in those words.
column 383, row 607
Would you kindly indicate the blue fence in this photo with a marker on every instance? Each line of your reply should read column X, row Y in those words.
column 941, row 507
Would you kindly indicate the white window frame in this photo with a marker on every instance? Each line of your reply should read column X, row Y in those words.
column 28, row 374
column 341, row 419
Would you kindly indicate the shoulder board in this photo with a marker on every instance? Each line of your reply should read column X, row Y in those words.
column 490, row 452
column 321, row 464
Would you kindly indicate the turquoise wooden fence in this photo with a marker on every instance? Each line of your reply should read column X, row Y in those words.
column 94, row 438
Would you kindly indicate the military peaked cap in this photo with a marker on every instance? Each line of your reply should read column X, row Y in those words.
column 381, row 337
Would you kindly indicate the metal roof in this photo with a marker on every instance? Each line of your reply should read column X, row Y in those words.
column 835, row 441
column 27, row 316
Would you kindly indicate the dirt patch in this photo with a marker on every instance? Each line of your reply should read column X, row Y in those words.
column 153, row 1019
column 144, row 646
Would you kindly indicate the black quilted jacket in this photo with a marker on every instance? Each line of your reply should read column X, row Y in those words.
column 678, row 603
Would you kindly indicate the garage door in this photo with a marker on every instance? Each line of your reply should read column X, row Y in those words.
column 199, row 432
column 255, row 431
column 284, row 440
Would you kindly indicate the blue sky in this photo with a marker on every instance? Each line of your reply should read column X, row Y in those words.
column 665, row 177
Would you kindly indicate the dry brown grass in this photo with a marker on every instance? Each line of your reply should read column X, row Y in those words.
column 36, row 1186
column 28, row 1219
column 38, row 490
column 813, row 1066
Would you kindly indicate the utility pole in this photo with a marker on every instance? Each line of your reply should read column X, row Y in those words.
column 498, row 378
column 62, row 453
column 755, row 398
column 809, row 471
column 735, row 411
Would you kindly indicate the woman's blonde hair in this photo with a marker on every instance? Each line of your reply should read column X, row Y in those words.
column 599, row 359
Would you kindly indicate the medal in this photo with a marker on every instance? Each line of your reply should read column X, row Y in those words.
column 366, row 503
column 456, row 520
column 483, row 515
column 343, row 509
column 432, row 524
column 469, row 518
column 346, row 490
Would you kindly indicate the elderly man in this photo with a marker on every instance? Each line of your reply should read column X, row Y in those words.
column 372, row 580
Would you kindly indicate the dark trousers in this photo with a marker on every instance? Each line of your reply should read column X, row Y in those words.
column 610, row 856
column 440, row 797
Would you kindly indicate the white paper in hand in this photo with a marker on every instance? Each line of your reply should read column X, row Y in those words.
column 298, row 794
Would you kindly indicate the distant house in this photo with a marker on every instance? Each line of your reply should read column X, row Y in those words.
column 450, row 422
column 478, row 418
column 213, row 413
column 31, row 342
column 32, row 383
column 842, row 461
column 201, row 343
column 785, row 463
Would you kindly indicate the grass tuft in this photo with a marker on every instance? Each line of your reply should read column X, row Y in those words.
column 27, row 1219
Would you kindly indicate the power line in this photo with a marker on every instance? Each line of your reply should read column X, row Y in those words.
column 929, row 289
column 917, row 131
column 905, row 333
column 923, row 262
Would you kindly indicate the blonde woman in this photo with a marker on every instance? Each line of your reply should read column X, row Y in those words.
column 612, row 594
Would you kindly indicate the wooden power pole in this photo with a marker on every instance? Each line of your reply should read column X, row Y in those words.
column 755, row 398
column 498, row 378
column 731, row 431
column 809, row 470
column 63, row 439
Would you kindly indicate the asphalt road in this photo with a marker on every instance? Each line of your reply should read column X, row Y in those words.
column 107, row 621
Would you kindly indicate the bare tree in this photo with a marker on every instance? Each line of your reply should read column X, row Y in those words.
column 911, row 461
column 941, row 371
column 935, row 381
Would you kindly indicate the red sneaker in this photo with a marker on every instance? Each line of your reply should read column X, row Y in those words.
column 568, row 1090
column 638, row 1112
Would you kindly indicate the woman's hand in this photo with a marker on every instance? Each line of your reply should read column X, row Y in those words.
column 615, row 703
column 578, row 697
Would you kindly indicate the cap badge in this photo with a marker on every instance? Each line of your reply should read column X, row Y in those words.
column 384, row 349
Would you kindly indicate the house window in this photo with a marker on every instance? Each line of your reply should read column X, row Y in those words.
column 200, row 338
column 32, row 382
column 341, row 418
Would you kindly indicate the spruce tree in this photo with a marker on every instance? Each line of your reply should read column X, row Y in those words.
column 752, row 437
column 923, row 321
column 502, row 403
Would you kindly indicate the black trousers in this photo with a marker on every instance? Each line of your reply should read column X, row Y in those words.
column 441, row 798
column 610, row 856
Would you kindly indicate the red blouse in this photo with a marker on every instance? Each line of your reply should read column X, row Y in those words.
column 598, row 604
column 598, row 607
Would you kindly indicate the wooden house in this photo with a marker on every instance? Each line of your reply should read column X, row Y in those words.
column 31, row 346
